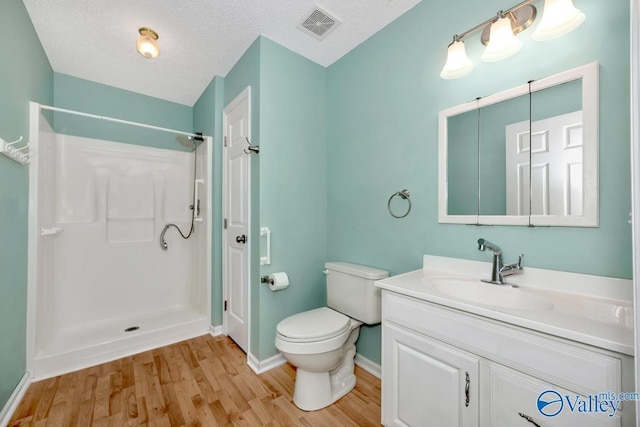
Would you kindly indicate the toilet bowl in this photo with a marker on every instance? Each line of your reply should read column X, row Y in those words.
column 321, row 342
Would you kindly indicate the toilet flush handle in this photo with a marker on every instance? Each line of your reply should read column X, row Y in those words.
column 325, row 272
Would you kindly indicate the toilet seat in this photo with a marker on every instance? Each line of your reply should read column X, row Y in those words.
column 320, row 324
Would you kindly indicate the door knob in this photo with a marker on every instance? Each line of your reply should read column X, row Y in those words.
column 241, row 239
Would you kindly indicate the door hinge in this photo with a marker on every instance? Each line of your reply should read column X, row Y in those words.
column 225, row 141
column 225, row 305
column 225, row 223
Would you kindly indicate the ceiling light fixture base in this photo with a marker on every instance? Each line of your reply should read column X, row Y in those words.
column 144, row 31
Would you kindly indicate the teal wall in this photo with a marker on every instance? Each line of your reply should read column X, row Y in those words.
column 288, row 181
column 25, row 75
column 94, row 98
column 207, row 118
column 293, row 184
column 383, row 104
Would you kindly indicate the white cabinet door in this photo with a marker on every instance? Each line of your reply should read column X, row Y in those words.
column 427, row 383
column 513, row 393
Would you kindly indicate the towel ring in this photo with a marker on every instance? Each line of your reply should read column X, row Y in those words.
column 404, row 194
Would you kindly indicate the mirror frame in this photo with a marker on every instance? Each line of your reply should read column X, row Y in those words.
column 590, row 131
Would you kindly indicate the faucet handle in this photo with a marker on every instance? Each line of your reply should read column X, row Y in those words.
column 510, row 269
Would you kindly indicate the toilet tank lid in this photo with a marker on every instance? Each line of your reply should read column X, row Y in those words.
column 357, row 270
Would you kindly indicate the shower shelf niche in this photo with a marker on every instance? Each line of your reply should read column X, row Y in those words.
column 9, row 150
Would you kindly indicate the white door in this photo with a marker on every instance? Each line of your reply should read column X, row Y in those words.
column 556, row 166
column 427, row 383
column 236, row 122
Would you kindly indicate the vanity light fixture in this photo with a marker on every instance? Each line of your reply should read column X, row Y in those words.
column 499, row 33
column 147, row 43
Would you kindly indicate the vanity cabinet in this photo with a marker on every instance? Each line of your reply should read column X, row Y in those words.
column 428, row 380
column 433, row 357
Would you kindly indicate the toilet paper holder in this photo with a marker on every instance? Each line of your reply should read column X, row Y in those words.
column 266, row 279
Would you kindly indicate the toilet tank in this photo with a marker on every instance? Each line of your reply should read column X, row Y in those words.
column 351, row 291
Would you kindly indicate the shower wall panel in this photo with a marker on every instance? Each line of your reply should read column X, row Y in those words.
column 112, row 201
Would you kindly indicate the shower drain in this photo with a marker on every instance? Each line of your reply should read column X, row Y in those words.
column 132, row 328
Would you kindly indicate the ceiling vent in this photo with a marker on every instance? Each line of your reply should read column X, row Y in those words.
column 318, row 23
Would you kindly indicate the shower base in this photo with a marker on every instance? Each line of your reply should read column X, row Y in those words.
column 92, row 344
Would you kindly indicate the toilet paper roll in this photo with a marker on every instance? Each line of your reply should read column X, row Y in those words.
column 278, row 281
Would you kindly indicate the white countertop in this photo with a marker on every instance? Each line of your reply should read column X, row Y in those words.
column 593, row 310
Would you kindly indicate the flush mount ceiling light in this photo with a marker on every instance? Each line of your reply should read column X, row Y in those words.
column 499, row 33
column 147, row 43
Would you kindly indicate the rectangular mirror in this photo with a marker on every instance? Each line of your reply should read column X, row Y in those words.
column 490, row 170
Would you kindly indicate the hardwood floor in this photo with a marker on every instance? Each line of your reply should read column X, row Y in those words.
column 204, row 381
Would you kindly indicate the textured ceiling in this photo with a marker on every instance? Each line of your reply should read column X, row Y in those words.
column 95, row 39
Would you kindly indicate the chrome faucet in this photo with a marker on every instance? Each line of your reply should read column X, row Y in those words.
column 498, row 270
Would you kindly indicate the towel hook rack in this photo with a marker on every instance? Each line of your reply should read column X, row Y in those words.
column 16, row 154
column 251, row 148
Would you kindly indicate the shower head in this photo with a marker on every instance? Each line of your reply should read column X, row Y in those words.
column 190, row 141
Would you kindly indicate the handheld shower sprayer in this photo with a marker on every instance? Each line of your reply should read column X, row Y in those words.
column 191, row 142
column 163, row 243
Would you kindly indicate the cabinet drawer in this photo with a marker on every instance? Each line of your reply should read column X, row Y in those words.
column 513, row 393
column 554, row 360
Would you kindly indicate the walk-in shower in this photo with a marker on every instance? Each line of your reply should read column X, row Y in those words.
column 100, row 287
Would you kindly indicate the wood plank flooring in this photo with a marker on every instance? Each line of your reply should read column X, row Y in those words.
column 204, row 381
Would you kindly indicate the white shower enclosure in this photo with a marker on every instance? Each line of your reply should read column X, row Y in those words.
column 100, row 285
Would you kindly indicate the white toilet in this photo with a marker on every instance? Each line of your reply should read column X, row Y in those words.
column 321, row 343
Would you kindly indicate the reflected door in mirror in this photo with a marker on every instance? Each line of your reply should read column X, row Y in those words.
column 556, row 166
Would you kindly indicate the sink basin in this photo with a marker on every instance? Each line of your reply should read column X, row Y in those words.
column 479, row 292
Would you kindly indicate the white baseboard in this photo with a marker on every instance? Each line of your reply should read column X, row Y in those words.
column 214, row 331
column 14, row 400
column 262, row 366
column 372, row 367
